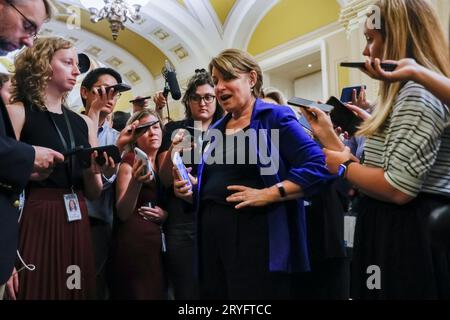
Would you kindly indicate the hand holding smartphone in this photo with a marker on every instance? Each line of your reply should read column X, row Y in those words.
column 120, row 87
column 342, row 117
column 84, row 155
column 347, row 93
column 178, row 162
column 304, row 103
column 141, row 129
column 141, row 155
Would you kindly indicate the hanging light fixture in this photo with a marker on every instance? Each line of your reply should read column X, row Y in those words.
column 117, row 12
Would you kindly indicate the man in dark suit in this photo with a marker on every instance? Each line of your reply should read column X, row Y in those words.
column 19, row 162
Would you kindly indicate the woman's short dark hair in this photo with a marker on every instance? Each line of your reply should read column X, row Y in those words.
column 92, row 77
column 4, row 78
column 200, row 78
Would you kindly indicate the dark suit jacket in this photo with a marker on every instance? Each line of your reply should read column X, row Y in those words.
column 16, row 165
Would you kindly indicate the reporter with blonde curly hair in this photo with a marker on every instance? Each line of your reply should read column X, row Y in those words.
column 50, row 237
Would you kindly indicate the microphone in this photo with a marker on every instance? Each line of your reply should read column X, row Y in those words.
column 171, row 82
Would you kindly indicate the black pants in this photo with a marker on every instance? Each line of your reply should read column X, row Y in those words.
column 179, row 261
column 101, row 233
column 234, row 256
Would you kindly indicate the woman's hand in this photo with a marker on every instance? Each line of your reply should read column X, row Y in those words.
column 181, row 187
column 127, row 135
column 96, row 168
column 155, row 214
column 336, row 158
column 249, row 197
column 322, row 128
column 12, row 286
column 360, row 112
column 181, row 142
column 405, row 71
column 138, row 168
column 108, row 168
column 159, row 100
column 360, row 100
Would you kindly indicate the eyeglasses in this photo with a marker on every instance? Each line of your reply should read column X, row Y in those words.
column 200, row 71
column 28, row 26
column 208, row 98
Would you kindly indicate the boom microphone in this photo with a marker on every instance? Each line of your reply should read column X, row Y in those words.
column 171, row 79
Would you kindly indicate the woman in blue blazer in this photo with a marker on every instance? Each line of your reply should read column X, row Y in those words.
column 255, row 170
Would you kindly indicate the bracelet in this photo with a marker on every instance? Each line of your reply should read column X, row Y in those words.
column 281, row 190
column 343, row 168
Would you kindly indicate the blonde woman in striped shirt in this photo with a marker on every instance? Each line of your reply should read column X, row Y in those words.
column 406, row 171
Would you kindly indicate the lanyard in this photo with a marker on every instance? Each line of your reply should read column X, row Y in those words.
column 71, row 167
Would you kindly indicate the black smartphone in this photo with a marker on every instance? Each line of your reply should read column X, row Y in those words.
column 361, row 65
column 343, row 117
column 140, row 99
column 347, row 93
column 304, row 103
column 120, row 87
column 84, row 155
column 69, row 153
column 143, row 127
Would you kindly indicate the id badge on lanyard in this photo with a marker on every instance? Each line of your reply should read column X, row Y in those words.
column 72, row 207
column 71, row 202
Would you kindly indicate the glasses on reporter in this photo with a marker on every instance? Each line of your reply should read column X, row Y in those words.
column 208, row 98
column 28, row 26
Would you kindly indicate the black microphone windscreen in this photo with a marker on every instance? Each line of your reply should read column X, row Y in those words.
column 171, row 79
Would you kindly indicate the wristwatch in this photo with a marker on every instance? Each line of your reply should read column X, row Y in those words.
column 343, row 167
column 281, row 190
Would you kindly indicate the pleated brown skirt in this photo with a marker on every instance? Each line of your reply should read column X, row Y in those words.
column 60, row 250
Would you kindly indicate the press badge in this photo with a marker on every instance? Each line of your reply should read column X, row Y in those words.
column 349, row 230
column 72, row 207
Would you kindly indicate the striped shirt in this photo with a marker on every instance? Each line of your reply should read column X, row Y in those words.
column 414, row 146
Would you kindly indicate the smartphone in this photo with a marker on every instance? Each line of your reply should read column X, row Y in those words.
column 343, row 117
column 143, row 127
column 347, row 93
column 141, row 155
column 149, row 205
column 304, row 103
column 84, row 155
column 140, row 99
column 120, row 87
column 178, row 162
column 305, row 124
column 361, row 65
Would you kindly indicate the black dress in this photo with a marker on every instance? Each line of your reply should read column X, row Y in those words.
column 60, row 250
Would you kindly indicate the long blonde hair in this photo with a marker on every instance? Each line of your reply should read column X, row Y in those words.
column 33, row 70
column 410, row 29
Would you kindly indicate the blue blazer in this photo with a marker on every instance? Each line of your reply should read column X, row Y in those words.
column 301, row 161
column 16, row 165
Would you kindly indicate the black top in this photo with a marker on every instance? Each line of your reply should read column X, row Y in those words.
column 233, row 165
column 39, row 130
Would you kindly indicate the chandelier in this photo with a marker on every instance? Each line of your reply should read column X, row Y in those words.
column 117, row 12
